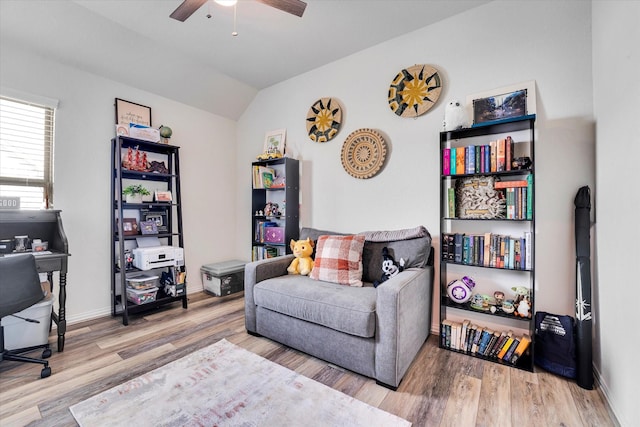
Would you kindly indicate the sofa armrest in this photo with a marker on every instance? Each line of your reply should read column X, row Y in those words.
column 403, row 311
column 254, row 273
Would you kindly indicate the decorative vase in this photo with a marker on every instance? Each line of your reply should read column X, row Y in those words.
column 133, row 198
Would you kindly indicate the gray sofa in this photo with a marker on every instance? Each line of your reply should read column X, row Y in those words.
column 374, row 331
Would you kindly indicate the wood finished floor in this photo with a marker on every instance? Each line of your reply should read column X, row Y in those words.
column 441, row 388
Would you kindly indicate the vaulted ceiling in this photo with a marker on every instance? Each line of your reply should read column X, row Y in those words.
column 198, row 62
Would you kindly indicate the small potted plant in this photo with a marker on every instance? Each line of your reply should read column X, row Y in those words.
column 134, row 193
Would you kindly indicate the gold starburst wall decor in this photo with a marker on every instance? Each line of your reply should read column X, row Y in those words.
column 415, row 90
column 324, row 119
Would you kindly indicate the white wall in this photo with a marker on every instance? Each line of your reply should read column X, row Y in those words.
column 491, row 46
column 616, row 67
column 84, row 128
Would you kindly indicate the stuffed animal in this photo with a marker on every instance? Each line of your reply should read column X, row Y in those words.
column 390, row 267
column 455, row 116
column 302, row 263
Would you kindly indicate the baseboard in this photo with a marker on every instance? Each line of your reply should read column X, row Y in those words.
column 603, row 389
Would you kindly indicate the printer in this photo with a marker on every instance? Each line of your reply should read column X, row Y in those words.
column 150, row 257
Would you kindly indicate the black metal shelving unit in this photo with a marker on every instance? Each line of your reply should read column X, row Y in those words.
column 170, row 235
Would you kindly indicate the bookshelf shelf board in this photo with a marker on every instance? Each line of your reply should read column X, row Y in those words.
column 467, row 307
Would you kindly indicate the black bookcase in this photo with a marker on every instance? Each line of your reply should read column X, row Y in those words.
column 489, row 277
column 272, row 231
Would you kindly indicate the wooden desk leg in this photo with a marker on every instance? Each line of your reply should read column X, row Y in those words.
column 62, row 317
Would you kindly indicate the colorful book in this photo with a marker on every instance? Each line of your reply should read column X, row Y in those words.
column 520, row 349
column 446, row 161
column 453, row 160
column 510, row 184
column 451, row 202
column 500, row 155
column 530, row 196
column 476, row 340
column 508, row 153
column 470, row 163
column 494, row 163
column 460, row 160
column 505, row 347
column 509, row 354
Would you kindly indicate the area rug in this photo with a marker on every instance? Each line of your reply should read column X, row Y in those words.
column 225, row 385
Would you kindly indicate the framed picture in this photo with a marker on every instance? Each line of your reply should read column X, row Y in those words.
column 130, row 112
column 504, row 103
column 148, row 227
column 274, row 141
column 163, row 196
column 129, row 226
column 159, row 217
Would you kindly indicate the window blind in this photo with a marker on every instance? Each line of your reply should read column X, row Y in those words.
column 26, row 152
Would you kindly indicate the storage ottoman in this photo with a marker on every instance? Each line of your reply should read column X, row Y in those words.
column 223, row 278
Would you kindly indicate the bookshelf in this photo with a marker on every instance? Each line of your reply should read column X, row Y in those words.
column 275, row 199
column 134, row 222
column 487, row 234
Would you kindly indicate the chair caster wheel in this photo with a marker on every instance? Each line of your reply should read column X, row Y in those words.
column 46, row 353
column 46, row 372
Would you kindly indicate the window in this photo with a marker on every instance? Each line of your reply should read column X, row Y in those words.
column 26, row 152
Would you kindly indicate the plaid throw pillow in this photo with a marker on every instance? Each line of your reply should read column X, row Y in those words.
column 339, row 260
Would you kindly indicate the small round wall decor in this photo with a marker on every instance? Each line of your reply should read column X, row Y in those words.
column 324, row 119
column 363, row 153
column 414, row 90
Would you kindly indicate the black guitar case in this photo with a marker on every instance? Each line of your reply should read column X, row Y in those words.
column 584, row 319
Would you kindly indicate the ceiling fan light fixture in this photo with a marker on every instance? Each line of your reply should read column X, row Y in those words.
column 227, row 3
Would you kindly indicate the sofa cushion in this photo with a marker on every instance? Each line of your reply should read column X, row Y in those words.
column 339, row 260
column 343, row 308
column 415, row 252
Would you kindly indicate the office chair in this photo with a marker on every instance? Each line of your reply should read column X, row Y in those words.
column 20, row 289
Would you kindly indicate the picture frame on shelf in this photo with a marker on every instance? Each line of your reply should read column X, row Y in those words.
column 130, row 112
column 275, row 141
column 159, row 217
column 129, row 226
column 148, row 227
column 163, row 196
column 508, row 102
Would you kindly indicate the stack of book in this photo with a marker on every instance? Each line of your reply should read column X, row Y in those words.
column 480, row 341
column 488, row 250
column 497, row 156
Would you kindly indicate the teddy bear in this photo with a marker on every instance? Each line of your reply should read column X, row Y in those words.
column 390, row 267
column 455, row 116
column 302, row 263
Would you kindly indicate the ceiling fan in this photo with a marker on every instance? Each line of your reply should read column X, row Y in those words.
column 186, row 9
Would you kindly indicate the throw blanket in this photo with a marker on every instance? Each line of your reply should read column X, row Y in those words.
column 390, row 236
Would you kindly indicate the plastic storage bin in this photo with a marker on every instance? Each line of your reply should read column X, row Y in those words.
column 223, row 278
column 142, row 296
column 142, row 281
column 19, row 333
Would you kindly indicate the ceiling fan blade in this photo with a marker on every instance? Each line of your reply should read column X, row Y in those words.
column 294, row 7
column 186, row 9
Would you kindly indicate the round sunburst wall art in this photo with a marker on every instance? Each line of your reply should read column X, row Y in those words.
column 414, row 90
column 324, row 119
column 363, row 153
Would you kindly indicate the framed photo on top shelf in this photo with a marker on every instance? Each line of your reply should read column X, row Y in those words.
column 275, row 141
column 130, row 112
column 507, row 102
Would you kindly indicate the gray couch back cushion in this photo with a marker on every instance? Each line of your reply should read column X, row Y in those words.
column 414, row 251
